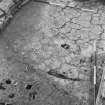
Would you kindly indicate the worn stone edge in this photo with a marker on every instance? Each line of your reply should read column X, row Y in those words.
column 8, row 9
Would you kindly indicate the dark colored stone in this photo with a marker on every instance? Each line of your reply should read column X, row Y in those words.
column 32, row 95
column 101, row 1
column 12, row 95
column 2, row 87
column 9, row 104
column 81, row 0
column 8, row 81
column 56, row 74
column 65, row 46
column 28, row 86
column 2, row 103
column 103, row 98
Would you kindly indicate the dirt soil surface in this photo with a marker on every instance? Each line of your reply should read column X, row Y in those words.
column 41, row 38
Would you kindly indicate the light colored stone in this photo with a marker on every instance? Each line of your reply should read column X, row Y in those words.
column 103, row 90
column 24, row 2
column 95, row 19
column 84, row 77
column 68, row 59
column 83, row 20
column 83, row 33
column 53, row 63
column 1, row 24
column 75, row 25
column 71, row 13
column 101, row 45
column 6, row 4
column 66, row 28
column 1, row 13
column 103, row 36
column 62, row 82
column 96, row 29
column 69, row 70
column 87, row 51
column 74, row 34
column 42, row 66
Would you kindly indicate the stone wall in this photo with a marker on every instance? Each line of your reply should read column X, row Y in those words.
column 8, row 8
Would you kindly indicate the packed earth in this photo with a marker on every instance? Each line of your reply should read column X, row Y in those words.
column 49, row 51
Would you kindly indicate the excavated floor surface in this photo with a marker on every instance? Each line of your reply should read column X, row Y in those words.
column 44, row 37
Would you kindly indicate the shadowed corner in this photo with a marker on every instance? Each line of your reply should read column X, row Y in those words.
column 101, row 2
column 82, row 0
column 87, row 3
column 44, row 1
